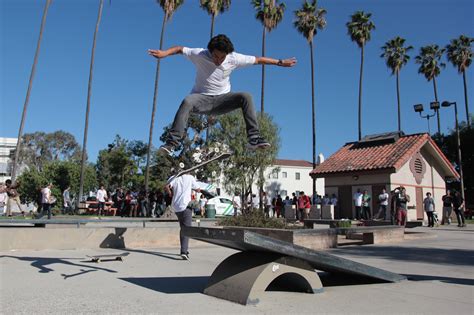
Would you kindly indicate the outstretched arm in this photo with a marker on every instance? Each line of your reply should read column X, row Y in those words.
column 290, row 62
column 165, row 53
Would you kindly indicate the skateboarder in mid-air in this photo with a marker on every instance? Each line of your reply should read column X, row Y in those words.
column 211, row 93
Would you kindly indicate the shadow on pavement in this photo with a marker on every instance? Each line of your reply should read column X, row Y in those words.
column 333, row 279
column 171, row 256
column 42, row 262
column 436, row 256
column 441, row 279
column 172, row 285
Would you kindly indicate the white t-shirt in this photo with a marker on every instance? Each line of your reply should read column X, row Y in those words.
column 358, row 199
column 212, row 79
column 101, row 195
column 383, row 198
column 182, row 188
column 46, row 194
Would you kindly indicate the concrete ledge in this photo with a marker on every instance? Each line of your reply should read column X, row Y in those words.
column 90, row 238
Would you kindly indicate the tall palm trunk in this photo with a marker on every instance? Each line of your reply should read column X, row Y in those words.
column 313, row 113
column 398, row 102
column 28, row 92
column 468, row 118
column 213, row 17
column 262, row 99
column 436, row 100
column 155, row 95
column 89, row 92
column 360, row 89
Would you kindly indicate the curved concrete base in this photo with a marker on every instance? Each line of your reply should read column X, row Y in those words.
column 244, row 277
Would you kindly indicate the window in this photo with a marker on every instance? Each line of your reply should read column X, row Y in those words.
column 297, row 176
column 275, row 175
column 283, row 193
column 284, row 174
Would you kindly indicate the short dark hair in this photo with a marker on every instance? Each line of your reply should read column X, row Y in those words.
column 221, row 43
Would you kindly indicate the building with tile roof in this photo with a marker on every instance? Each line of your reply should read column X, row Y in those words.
column 387, row 161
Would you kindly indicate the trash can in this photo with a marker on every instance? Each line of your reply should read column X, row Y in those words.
column 210, row 211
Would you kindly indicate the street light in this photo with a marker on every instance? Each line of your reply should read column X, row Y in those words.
column 419, row 109
column 458, row 143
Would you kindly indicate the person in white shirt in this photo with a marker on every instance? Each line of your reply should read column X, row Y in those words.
column 357, row 198
column 3, row 198
column 101, row 198
column 180, row 188
column 211, row 94
column 237, row 203
column 383, row 203
column 46, row 200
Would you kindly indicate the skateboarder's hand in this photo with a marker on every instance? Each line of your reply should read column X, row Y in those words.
column 157, row 53
column 290, row 62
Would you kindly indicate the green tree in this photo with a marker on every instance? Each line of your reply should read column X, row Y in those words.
column 269, row 13
column 459, row 53
column 39, row 147
column 359, row 28
column 28, row 92
column 214, row 7
column 88, row 106
column 240, row 170
column 447, row 144
column 310, row 19
column 430, row 63
column 169, row 7
column 396, row 56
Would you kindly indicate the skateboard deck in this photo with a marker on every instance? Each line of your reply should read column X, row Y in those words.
column 215, row 157
column 110, row 257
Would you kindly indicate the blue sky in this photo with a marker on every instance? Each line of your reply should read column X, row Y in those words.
column 124, row 74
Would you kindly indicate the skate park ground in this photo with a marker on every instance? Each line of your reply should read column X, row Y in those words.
column 156, row 281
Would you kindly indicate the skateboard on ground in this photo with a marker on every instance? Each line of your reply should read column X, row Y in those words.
column 202, row 158
column 110, row 257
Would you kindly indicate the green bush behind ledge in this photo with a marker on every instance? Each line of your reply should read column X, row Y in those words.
column 254, row 218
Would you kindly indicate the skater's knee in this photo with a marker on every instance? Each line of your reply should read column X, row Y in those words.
column 245, row 97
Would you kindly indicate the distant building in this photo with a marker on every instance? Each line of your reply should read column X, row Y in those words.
column 7, row 145
column 387, row 161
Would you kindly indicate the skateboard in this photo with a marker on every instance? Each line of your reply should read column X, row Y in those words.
column 111, row 257
column 202, row 158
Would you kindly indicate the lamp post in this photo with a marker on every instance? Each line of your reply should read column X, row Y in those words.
column 419, row 109
column 458, row 143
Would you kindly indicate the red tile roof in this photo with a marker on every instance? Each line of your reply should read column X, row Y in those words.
column 300, row 163
column 367, row 157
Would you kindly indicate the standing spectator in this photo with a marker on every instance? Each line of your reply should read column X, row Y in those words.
column 383, row 203
column 401, row 201
column 429, row 207
column 101, row 198
column 128, row 204
column 267, row 204
column 67, row 201
column 278, row 206
column 160, row 203
column 357, row 198
column 304, row 204
column 47, row 200
column 447, row 207
column 143, row 202
column 180, row 189
column 13, row 196
column 118, row 200
column 3, row 198
column 366, row 205
column 202, row 204
column 458, row 203
column 133, row 204
column 333, row 200
column 294, row 203
column 237, row 203
column 326, row 201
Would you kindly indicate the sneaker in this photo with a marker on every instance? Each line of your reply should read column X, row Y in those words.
column 185, row 256
column 257, row 143
column 167, row 148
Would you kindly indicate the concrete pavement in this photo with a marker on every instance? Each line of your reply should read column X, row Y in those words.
column 157, row 281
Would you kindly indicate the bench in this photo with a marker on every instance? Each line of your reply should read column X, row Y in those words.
column 374, row 234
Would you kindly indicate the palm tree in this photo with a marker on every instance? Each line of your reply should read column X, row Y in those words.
column 270, row 13
column 430, row 66
column 169, row 7
column 308, row 20
column 396, row 57
column 88, row 106
column 28, row 92
column 459, row 53
column 214, row 7
column 359, row 28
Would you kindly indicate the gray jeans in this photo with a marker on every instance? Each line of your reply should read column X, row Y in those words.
column 213, row 105
column 185, row 218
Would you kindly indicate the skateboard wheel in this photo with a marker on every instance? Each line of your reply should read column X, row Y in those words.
column 216, row 150
column 181, row 165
